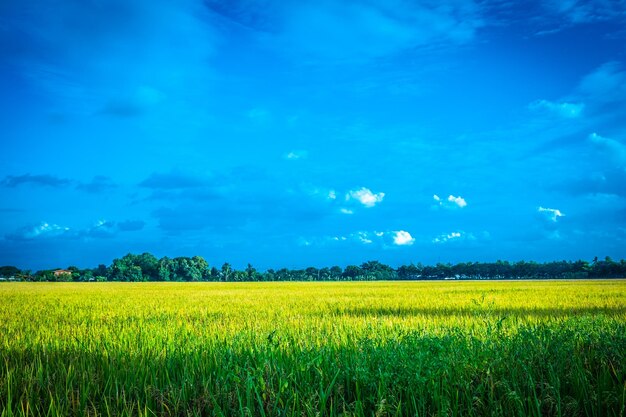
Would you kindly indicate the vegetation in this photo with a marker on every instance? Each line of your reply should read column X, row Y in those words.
column 514, row 348
column 146, row 267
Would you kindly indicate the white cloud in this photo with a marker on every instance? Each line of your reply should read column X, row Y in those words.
column 44, row 229
column 344, row 210
column 364, row 238
column 562, row 109
column 332, row 195
column 450, row 202
column 402, row 238
column 459, row 201
column 296, row 154
column 384, row 239
column 446, row 237
column 550, row 213
column 365, row 196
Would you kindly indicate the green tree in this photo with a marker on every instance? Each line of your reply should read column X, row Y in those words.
column 226, row 272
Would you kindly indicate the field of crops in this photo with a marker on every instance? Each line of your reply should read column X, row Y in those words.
column 314, row 349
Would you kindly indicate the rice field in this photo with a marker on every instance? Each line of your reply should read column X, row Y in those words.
column 531, row 348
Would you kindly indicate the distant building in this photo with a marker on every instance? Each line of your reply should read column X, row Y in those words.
column 61, row 272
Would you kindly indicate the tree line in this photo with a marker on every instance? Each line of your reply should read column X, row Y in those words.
column 146, row 267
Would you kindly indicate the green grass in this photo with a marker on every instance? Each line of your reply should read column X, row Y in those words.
column 314, row 349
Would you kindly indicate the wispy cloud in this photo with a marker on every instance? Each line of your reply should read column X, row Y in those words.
column 561, row 109
column 615, row 150
column 356, row 30
column 75, row 57
column 589, row 11
column 259, row 115
column 606, row 84
column 135, row 104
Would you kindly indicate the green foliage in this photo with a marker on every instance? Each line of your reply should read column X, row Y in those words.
column 9, row 271
column 314, row 349
column 146, row 267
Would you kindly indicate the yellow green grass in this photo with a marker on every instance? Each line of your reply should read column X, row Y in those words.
column 314, row 349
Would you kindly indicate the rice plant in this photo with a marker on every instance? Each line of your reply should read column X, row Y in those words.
column 313, row 349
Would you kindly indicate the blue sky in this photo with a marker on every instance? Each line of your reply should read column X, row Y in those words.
column 297, row 133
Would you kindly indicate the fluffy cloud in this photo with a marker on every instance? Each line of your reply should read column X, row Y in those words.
column 561, row 109
column 365, row 196
column 550, row 213
column 450, row 202
column 402, row 238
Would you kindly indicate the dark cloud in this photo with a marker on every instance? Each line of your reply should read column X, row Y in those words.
column 101, row 230
column 140, row 102
column 122, row 109
column 98, row 184
column 42, row 180
column 173, row 181
column 131, row 225
column 611, row 181
column 11, row 210
column 264, row 208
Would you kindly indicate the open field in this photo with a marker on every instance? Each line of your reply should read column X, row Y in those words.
column 308, row 349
